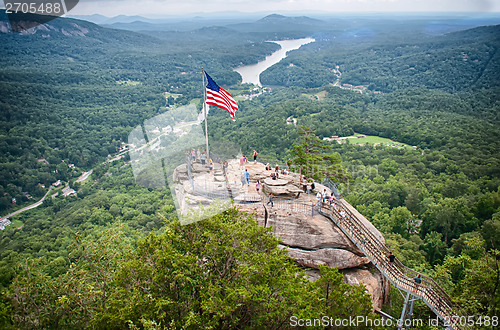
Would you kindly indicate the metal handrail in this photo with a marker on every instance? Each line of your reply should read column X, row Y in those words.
column 429, row 291
column 401, row 276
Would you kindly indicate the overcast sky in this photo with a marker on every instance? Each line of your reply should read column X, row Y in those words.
column 166, row 8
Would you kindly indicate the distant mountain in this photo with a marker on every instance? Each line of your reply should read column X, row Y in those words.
column 100, row 19
column 139, row 26
column 185, row 24
column 205, row 34
column 280, row 19
column 127, row 19
column 64, row 28
column 95, row 18
column 280, row 23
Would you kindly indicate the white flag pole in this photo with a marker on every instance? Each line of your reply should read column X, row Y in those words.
column 205, row 112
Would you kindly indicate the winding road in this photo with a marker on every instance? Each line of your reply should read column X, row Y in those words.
column 29, row 207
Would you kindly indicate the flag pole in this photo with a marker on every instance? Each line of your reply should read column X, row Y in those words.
column 205, row 112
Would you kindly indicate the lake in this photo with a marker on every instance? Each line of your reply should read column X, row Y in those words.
column 251, row 73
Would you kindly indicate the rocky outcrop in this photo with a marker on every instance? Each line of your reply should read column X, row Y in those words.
column 311, row 239
column 337, row 258
column 301, row 231
column 376, row 284
column 280, row 188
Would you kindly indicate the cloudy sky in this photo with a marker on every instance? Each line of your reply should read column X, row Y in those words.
column 166, row 8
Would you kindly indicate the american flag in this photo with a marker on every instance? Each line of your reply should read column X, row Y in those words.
column 217, row 96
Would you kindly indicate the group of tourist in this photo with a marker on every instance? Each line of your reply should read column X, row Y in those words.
column 277, row 171
column 307, row 188
column 198, row 156
column 322, row 196
column 244, row 159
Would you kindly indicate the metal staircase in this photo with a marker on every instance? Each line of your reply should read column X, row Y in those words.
column 399, row 275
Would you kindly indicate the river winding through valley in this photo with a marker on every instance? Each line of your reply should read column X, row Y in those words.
column 251, row 73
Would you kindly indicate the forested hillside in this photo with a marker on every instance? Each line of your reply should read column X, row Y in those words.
column 381, row 61
column 71, row 93
column 74, row 93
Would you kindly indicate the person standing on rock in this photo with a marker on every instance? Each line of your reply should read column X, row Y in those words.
column 203, row 157
column 318, row 197
column 254, row 156
column 242, row 162
column 270, row 200
column 247, row 176
column 313, row 186
column 332, row 198
column 258, row 185
column 323, row 195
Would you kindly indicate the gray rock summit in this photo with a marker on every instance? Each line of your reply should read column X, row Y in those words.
column 310, row 238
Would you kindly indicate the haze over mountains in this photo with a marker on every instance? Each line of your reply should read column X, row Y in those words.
column 440, row 23
column 72, row 91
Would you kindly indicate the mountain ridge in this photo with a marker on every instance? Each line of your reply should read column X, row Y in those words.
column 65, row 27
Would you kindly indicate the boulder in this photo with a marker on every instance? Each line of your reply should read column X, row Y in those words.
column 281, row 191
column 180, row 173
column 301, row 231
column 376, row 284
column 198, row 168
column 337, row 258
column 277, row 182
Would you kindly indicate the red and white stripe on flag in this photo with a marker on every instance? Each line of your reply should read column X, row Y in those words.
column 222, row 99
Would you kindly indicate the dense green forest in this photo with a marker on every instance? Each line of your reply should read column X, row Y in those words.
column 63, row 96
column 73, row 98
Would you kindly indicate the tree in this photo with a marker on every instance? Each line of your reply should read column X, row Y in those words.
column 435, row 247
column 476, row 277
column 491, row 232
column 222, row 272
column 314, row 158
column 403, row 222
column 219, row 273
column 74, row 298
column 338, row 297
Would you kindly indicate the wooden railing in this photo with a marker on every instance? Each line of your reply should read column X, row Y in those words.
column 399, row 275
